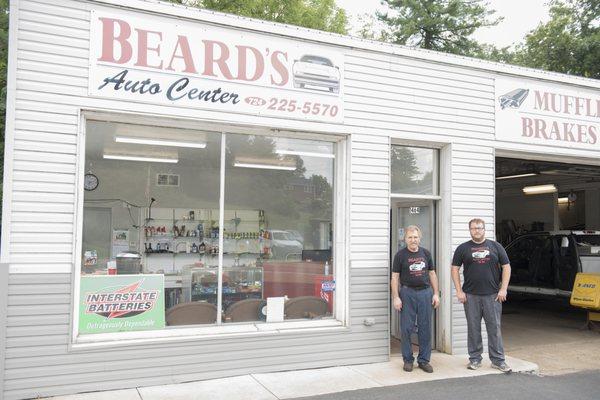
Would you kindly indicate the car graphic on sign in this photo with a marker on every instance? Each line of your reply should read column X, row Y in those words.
column 420, row 266
column 481, row 254
column 316, row 73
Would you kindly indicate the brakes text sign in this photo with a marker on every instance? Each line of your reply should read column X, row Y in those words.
column 547, row 114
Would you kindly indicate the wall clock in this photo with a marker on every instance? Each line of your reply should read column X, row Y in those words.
column 90, row 182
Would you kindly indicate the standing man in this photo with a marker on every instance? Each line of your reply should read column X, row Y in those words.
column 413, row 272
column 486, row 272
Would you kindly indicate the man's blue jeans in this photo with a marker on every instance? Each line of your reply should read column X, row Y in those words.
column 416, row 307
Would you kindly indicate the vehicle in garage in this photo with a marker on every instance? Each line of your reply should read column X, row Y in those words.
column 546, row 263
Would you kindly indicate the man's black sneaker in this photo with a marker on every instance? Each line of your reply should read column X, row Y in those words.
column 408, row 367
column 426, row 367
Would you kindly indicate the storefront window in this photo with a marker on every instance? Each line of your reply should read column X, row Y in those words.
column 278, row 234
column 151, row 229
column 413, row 170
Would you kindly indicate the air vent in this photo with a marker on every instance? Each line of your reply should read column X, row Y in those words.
column 167, row 180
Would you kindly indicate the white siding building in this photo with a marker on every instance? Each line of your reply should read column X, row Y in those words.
column 389, row 96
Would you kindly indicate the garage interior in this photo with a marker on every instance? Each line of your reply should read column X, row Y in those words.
column 545, row 328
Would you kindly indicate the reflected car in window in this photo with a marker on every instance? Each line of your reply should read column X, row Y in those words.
column 284, row 246
column 296, row 235
column 316, row 73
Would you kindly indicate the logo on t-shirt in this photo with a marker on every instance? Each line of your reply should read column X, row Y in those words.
column 480, row 254
column 420, row 266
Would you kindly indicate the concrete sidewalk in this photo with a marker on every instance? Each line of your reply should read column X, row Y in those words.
column 302, row 383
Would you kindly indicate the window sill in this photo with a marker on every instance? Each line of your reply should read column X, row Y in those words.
column 187, row 334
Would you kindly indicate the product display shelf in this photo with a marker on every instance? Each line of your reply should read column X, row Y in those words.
column 239, row 283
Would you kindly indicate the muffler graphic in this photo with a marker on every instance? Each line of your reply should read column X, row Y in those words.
column 513, row 99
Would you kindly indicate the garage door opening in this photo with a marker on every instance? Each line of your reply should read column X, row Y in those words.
column 548, row 219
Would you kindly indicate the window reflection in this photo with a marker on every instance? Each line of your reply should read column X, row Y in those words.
column 291, row 182
column 151, row 217
column 412, row 170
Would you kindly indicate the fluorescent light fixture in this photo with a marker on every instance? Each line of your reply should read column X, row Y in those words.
column 515, row 176
column 263, row 166
column 539, row 189
column 159, row 142
column 138, row 158
column 563, row 200
column 304, row 153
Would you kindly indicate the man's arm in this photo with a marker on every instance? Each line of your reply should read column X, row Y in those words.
column 395, row 294
column 502, row 293
column 435, row 299
column 460, row 295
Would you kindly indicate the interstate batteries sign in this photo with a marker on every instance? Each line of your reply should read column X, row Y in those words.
column 143, row 58
column 546, row 114
column 119, row 303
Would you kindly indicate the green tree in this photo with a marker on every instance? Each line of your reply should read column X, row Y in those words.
column 405, row 171
column 569, row 42
column 315, row 14
column 442, row 25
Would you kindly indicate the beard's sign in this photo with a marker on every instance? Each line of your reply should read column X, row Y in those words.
column 158, row 60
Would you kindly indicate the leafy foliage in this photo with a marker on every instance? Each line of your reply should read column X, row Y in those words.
column 442, row 25
column 315, row 14
column 568, row 43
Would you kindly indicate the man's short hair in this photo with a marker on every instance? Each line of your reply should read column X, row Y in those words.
column 412, row 228
column 476, row 221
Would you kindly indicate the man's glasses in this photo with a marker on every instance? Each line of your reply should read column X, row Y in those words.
column 477, row 229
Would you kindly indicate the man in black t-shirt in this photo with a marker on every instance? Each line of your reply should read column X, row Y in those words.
column 486, row 274
column 414, row 291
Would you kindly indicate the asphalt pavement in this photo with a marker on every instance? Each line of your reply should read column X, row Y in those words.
column 515, row 386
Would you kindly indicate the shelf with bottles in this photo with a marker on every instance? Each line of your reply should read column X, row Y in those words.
column 182, row 247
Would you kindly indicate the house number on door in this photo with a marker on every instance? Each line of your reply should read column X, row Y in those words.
column 414, row 210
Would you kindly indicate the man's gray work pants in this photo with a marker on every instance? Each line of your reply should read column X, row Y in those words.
column 487, row 307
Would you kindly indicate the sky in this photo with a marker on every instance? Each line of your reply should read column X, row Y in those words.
column 520, row 16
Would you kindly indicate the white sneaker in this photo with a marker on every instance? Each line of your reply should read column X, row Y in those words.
column 502, row 366
column 474, row 365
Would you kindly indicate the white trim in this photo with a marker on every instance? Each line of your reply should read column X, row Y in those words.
column 9, row 132
column 305, row 153
column 414, row 196
column 295, row 32
column 203, row 123
column 78, row 226
column 542, row 155
column 444, row 341
column 341, row 231
column 217, row 330
column 221, row 228
column 200, row 333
